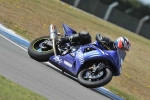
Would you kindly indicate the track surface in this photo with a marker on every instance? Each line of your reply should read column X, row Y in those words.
column 17, row 66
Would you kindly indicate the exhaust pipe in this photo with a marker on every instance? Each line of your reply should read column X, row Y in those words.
column 53, row 37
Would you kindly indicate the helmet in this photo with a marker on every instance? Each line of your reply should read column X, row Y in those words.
column 123, row 43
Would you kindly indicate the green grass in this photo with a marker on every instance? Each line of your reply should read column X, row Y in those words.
column 12, row 91
column 122, row 94
column 31, row 19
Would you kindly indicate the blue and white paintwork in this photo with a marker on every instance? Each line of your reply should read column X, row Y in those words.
column 74, row 63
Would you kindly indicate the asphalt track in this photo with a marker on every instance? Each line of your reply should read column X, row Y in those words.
column 17, row 66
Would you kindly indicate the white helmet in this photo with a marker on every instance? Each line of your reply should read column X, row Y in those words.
column 123, row 43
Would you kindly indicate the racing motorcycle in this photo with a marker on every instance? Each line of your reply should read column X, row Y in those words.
column 93, row 64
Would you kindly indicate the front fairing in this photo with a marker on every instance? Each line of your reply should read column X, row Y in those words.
column 110, row 55
column 115, row 59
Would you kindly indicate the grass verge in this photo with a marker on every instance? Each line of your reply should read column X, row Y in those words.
column 122, row 94
column 12, row 91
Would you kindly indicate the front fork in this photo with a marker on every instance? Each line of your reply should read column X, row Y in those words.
column 98, row 68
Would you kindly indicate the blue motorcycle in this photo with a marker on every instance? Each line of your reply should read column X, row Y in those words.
column 93, row 64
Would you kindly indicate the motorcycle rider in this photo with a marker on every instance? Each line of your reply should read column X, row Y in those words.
column 122, row 43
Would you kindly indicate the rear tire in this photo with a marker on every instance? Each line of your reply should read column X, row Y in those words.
column 43, row 55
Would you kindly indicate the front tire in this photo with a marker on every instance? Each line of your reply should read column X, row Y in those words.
column 36, row 52
column 103, row 80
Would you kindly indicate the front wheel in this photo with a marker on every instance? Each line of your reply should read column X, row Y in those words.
column 38, row 50
column 92, row 80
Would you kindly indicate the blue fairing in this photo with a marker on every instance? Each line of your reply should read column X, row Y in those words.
column 110, row 55
column 72, row 62
column 66, row 62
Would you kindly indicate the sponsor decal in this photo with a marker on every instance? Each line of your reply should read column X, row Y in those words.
column 80, row 56
column 67, row 63
column 57, row 59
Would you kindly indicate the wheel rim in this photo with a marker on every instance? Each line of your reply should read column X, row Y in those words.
column 40, row 47
column 88, row 75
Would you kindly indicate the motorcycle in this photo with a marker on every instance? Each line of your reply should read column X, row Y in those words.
column 93, row 64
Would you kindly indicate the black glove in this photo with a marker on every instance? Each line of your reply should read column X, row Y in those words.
column 102, row 40
column 105, row 40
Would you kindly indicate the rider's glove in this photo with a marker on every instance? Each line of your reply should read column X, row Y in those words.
column 105, row 40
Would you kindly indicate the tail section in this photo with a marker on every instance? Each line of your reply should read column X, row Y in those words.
column 67, row 30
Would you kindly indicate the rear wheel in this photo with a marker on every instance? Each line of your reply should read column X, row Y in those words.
column 38, row 50
column 94, row 79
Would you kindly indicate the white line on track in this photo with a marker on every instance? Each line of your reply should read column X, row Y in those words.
column 13, row 42
column 27, row 50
